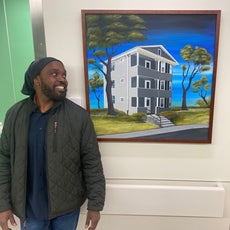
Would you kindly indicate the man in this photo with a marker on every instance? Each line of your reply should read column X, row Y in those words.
column 49, row 157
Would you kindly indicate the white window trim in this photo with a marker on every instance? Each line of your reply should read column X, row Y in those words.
column 159, row 52
column 147, row 63
column 147, row 83
column 162, row 83
column 162, row 67
column 147, row 99
column 162, row 102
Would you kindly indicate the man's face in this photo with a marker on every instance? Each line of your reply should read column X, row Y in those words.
column 53, row 81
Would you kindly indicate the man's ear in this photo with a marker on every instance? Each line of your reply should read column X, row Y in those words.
column 36, row 81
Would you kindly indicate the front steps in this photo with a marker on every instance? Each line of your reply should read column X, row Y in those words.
column 159, row 120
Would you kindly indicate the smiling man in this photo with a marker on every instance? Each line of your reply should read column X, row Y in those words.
column 50, row 162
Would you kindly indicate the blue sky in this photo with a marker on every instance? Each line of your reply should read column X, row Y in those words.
column 174, row 31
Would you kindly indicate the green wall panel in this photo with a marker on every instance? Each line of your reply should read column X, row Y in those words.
column 16, row 50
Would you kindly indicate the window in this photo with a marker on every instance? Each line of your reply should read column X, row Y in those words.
column 167, row 68
column 147, row 102
column 147, row 84
column 162, row 102
column 159, row 52
column 162, row 85
column 134, row 82
column 147, row 64
column 134, row 102
column 134, row 60
column 122, row 99
column 162, row 67
column 113, row 99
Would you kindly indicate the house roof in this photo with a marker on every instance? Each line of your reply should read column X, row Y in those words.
column 149, row 51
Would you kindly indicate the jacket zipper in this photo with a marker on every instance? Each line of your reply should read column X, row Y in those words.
column 55, row 128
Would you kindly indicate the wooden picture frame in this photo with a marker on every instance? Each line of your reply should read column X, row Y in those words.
column 150, row 75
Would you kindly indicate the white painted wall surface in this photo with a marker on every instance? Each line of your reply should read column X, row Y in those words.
column 150, row 162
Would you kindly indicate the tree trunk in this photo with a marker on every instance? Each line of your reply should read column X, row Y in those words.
column 111, row 110
column 184, row 100
column 108, row 89
column 205, row 101
column 98, row 103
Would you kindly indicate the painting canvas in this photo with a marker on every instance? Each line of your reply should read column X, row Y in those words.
column 150, row 75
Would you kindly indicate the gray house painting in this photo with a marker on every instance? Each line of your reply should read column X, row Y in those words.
column 142, row 80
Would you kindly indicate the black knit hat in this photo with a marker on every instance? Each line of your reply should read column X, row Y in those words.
column 33, row 70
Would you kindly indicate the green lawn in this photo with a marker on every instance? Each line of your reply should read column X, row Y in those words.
column 122, row 123
column 191, row 116
column 113, row 125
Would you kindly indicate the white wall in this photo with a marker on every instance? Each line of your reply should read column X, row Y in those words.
column 150, row 161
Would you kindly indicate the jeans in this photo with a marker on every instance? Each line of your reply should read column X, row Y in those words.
column 65, row 222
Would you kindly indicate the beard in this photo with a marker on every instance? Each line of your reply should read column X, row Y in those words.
column 52, row 93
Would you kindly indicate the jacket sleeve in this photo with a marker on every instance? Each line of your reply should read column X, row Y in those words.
column 92, row 167
column 5, row 169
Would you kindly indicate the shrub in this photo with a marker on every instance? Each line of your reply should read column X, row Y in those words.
column 139, row 117
column 171, row 115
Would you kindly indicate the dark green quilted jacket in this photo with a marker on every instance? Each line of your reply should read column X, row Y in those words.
column 74, row 168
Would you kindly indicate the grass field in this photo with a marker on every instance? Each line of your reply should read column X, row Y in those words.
column 122, row 123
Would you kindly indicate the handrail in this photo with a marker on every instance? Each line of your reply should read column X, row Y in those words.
column 156, row 117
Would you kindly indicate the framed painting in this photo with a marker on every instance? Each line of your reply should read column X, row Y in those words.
column 150, row 75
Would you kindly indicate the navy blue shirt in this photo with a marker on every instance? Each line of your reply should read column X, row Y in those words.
column 37, row 196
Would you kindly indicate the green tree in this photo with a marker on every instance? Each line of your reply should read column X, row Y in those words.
column 95, row 83
column 197, row 61
column 202, row 104
column 202, row 87
column 105, row 32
